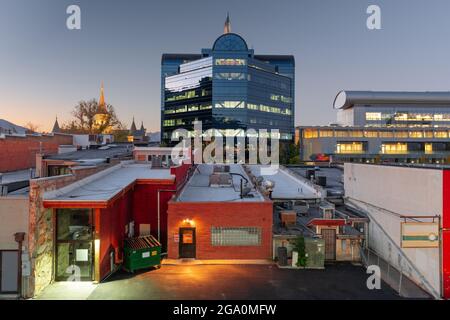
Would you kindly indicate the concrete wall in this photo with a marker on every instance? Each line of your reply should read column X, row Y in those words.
column 14, row 218
column 385, row 192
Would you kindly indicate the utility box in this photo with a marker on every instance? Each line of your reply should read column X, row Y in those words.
column 288, row 218
column 141, row 253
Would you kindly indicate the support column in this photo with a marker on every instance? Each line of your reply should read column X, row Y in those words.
column 97, row 245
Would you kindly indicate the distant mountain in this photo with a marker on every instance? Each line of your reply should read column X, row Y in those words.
column 11, row 128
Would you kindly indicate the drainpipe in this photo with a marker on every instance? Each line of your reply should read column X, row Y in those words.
column 19, row 237
column 159, row 210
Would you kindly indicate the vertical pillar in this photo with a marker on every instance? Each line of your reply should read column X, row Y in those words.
column 97, row 223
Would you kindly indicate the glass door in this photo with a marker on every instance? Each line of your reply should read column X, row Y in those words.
column 74, row 245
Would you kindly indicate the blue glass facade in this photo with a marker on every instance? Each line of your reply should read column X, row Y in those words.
column 228, row 88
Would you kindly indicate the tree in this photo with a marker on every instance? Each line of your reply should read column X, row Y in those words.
column 84, row 116
column 32, row 127
column 299, row 246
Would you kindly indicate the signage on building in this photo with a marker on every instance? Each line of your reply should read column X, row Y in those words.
column 420, row 235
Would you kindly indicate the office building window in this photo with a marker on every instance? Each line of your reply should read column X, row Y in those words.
column 386, row 134
column 401, row 134
column 394, row 148
column 416, row 134
column 441, row 134
column 310, row 133
column 235, row 236
column 326, row 133
column 230, row 62
column 349, row 147
column 373, row 116
column 370, row 134
column 230, row 104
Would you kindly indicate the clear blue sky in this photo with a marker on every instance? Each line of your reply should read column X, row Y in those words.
column 46, row 69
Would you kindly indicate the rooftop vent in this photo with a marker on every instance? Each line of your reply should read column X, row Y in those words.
column 327, row 210
column 220, row 180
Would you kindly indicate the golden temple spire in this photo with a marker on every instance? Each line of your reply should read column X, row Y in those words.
column 101, row 101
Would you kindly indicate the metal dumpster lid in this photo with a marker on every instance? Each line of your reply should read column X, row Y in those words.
column 141, row 242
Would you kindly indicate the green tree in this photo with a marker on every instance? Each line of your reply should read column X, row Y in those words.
column 300, row 248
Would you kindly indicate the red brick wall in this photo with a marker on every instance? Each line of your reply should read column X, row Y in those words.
column 221, row 214
column 18, row 153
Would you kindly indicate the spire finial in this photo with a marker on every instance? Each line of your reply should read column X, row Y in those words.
column 101, row 101
column 227, row 26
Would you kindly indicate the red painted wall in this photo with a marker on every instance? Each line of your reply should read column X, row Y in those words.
column 18, row 153
column 112, row 231
column 446, row 233
column 145, row 207
column 221, row 214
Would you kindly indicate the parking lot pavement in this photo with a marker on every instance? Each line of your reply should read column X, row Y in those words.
column 203, row 282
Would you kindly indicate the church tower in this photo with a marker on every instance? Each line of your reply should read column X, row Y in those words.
column 101, row 118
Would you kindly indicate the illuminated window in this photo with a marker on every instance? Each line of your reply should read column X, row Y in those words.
column 169, row 123
column 193, row 107
column 428, row 134
column 169, row 111
column 401, row 117
column 441, row 134
column 428, row 148
column 370, row 134
column 416, row 134
column 310, row 133
column 235, row 236
column 373, row 116
column 386, row 134
column 349, row 147
column 230, row 62
column 394, row 148
column 326, row 133
column 356, row 134
column 230, row 104
column 205, row 107
column 401, row 134
column 341, row 133
column 181, row 109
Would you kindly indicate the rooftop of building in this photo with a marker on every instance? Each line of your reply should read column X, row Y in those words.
column 109, row 151
column 309, row 214
column 288, row 185
column 429, row 166
column 347, row 99
column 105, row 185
column 333, row 177
column 200, row 189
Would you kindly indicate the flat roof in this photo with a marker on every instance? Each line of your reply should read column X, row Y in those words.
column 106, row 184
column 347, row 99
column 198, row 188
column 91, row 154
column 14, row 176
column 288, row 186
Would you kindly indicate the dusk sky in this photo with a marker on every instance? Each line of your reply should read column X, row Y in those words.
column 45, row 69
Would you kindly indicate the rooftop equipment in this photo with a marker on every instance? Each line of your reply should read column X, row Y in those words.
column 288, row 218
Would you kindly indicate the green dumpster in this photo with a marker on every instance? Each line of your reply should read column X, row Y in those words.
column 141, row 252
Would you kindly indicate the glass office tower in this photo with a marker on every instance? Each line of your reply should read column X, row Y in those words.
column 227, row 88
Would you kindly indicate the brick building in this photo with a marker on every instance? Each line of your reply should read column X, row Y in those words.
column 18, row 152
column 219, row 214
